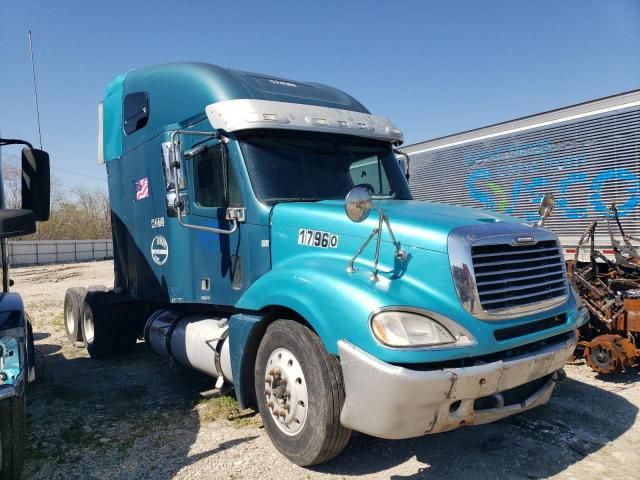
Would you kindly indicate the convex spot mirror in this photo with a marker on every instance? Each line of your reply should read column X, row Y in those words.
column 357, row 204
column 547, row 205
column 36, row 183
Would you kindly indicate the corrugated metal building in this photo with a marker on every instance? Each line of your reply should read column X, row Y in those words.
column 587, row 155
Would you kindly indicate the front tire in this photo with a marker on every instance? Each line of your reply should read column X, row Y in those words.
column 300, row 393
column 12, row 436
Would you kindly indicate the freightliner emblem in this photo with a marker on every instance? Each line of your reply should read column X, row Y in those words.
column 525, row 239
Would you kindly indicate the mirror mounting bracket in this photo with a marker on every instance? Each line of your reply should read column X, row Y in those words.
column 236, row 214
column 400, row 254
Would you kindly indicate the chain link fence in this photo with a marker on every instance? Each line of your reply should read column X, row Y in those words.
column 43, row 252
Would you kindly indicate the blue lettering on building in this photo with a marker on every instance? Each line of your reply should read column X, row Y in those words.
column 483, row 186
column 563, row 204
column 616, row 174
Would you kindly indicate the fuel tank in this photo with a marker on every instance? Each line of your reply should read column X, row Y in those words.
column 195, row 340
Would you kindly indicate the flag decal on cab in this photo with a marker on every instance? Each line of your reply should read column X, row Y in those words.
column 142, row 188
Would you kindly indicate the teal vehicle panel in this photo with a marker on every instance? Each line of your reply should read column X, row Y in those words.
column 276, row 270
column 112, row 119
column 244, row 336
column 415, row 223
column 314, row 282
column 193, row 256
column 179, row 92
column 210, row 255
column 148, row 279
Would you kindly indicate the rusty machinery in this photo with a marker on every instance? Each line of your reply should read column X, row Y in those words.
column 610, row 289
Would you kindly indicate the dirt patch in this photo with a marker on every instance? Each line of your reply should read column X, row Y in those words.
column 135, row 417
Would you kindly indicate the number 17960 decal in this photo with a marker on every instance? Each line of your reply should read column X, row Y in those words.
column 316, row 238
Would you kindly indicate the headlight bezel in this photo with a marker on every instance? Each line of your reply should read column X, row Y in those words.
column 461, row 337
column 584, row 315
column 15, row 336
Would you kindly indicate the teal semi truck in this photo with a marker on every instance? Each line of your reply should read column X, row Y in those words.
column 265, row 235
column 17, row 353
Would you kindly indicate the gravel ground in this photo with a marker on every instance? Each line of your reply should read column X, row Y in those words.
column 134, row 417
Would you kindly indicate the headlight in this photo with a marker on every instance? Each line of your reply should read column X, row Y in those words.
column 9, row 360
column 584, row 315
column 407, row 329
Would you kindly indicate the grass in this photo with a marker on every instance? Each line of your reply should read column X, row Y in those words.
column 226, row 408
column 40, row 313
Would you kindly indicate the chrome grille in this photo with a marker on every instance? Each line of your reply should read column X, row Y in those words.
column 511, row 276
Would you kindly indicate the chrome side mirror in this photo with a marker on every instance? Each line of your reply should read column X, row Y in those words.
column 357, row 204
column 547, row 205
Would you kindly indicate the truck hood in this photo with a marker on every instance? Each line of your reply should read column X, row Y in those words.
column 415, row 223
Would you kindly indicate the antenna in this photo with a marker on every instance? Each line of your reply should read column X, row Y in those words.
column 35, row 87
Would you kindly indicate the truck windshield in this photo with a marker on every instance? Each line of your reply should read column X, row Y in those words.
column 301, row 166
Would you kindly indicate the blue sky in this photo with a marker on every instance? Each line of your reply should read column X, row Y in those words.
column 434, row 67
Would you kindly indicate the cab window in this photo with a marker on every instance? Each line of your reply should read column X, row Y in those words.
column 215, row 182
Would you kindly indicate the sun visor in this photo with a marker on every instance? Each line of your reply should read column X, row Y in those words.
column 245, row 114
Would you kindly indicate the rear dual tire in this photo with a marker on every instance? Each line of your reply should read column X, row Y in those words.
column 73, row 303
column 300, row 393
column 74, row 300
column 93, row 320
column 107, row 329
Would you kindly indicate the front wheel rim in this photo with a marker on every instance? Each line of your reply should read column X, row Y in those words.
column 286, row 391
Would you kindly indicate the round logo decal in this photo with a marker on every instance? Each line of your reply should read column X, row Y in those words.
column 159, row 250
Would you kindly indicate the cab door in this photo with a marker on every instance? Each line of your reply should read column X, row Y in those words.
column 216, row 258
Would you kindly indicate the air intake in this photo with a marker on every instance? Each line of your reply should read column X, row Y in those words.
column 506, row 270
column 512, row 276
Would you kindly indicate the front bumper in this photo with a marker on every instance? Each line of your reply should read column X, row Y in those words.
column 393, row 402
column 7, row 391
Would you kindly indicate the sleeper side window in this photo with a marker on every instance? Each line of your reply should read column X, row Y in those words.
column 136, row 111
column 215, row 182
